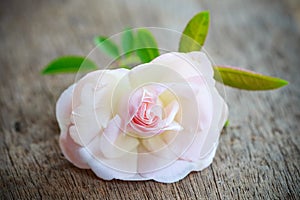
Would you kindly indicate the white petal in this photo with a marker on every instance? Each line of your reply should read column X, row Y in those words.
column 220, row 110
column 113, row 150
column 171, row 111
column 105, row 169
column 154, row 154
column 92, row 103
column 64, row 108
column 114, row 143
column 150, row 162
column 207, row 160
column 71, row 150
column 173, row 126
column 86, row 126
column 204, row 65
column 188, row 64
column 172, row 173
column 66, row 143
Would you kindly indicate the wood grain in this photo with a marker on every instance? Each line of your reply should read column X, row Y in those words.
column 258, row 155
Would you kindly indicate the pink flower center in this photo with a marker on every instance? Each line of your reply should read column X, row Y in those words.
column 148, row 116
column 145, row 116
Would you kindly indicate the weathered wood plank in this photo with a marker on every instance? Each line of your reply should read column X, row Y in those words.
column 258, row 155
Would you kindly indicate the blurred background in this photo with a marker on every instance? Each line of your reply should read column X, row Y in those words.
column 258, row 156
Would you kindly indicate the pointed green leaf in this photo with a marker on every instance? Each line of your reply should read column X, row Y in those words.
column 246, row 79
column 127, row 41
column 145, row 45
column 69, row 64
column 194, row 34
column 107, row 46
column 226, row 123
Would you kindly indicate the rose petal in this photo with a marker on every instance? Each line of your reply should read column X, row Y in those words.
column 188, row 65
column 203, row 65
column 86, row 126
column 63, row 113
column 113, row 150
column 220, row 116
column 170, row 111
column 114, row 143
column 207, row 160
column 92, row 111
column 173, row 126
column 108, row 169
column 64, row 108
column 172, row 173
column 149, row 161
column 71, row 150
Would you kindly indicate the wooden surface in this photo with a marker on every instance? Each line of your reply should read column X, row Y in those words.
column 258, row 155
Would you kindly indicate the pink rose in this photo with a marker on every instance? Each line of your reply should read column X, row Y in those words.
column 160, row 120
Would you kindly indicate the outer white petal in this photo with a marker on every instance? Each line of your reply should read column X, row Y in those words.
column 114, row 143
column 207, row 160
column 92, row 103
column 112, row 151
column 64, row 108
column 66, row 143
column 172, row 173
column 102, row 169
column 219, row 118
column 187, row 64
column 71, row 150
column 203, row 64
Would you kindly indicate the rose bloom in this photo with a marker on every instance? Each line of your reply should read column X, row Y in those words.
column 160, row 120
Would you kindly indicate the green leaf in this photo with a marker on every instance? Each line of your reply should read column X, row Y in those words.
column 145, row 45
column 246, row 79
column 130, row 61
column 107, row 46
column 69, row 64
column 127, row 41
column 194, row 34
column 226, row 123
column 125, row 67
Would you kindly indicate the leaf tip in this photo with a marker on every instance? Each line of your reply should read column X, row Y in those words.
column 43, row 71
column 283, row 82
column 96, row 40
column 206, row 12
column 226, row 123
